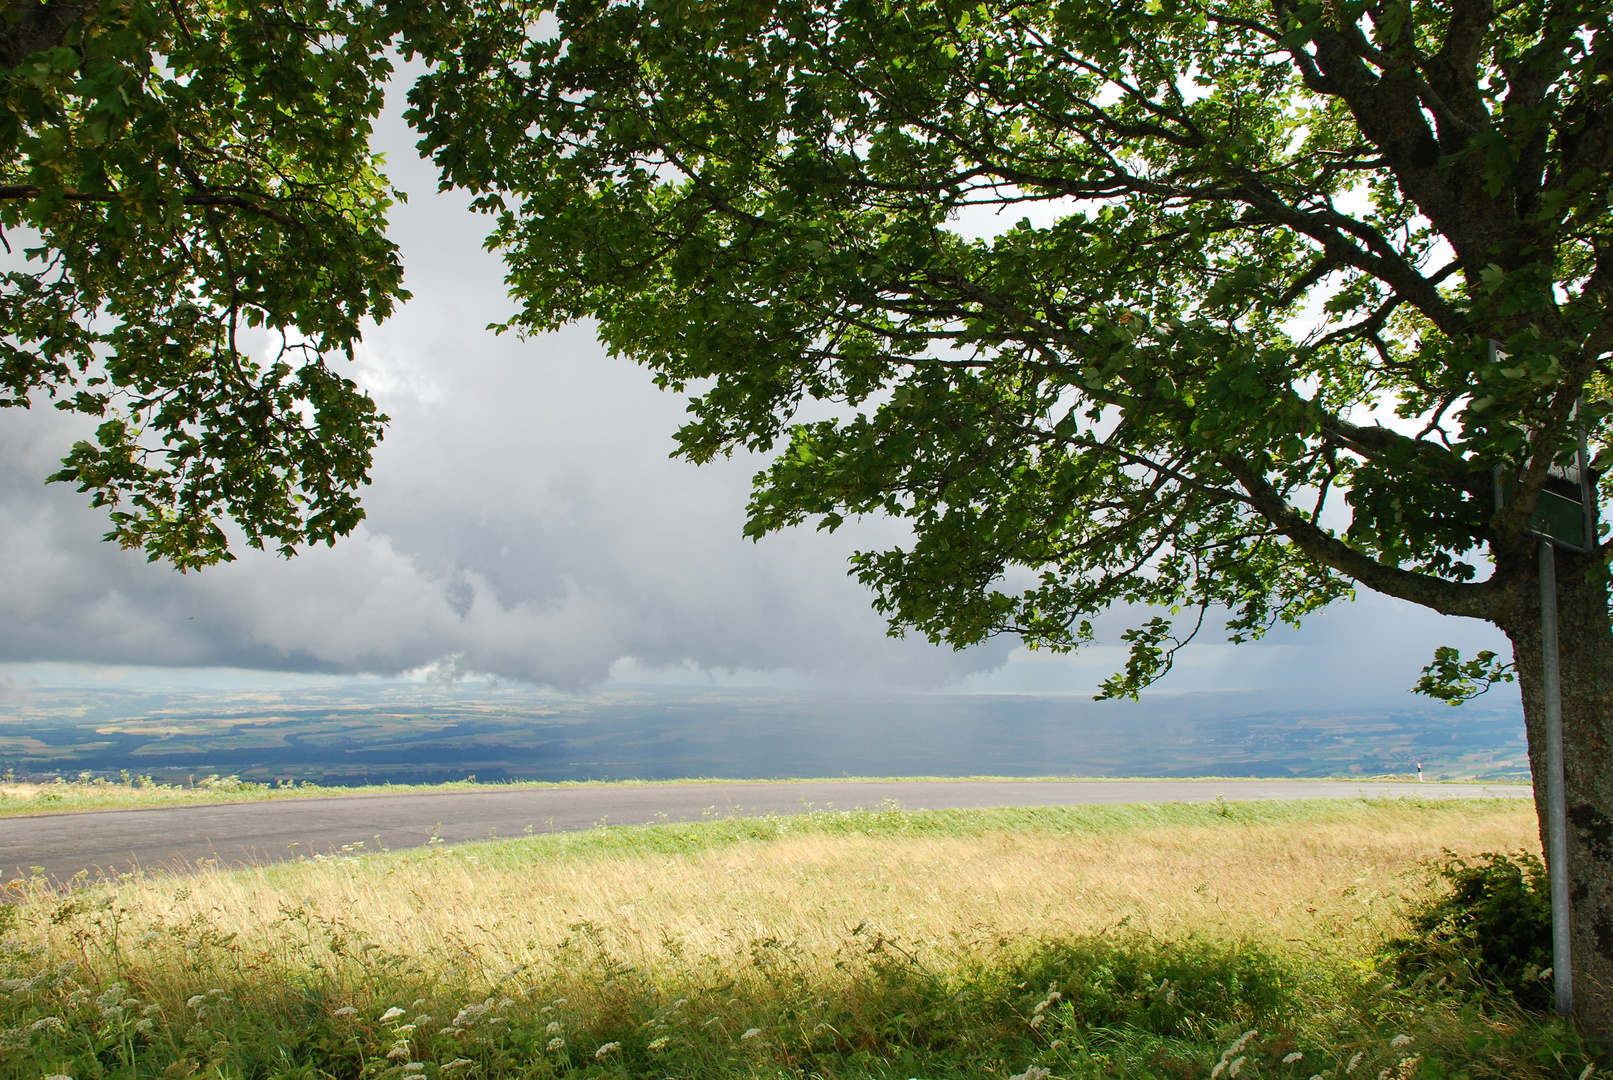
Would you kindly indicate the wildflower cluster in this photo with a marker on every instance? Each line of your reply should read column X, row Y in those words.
column 1039, row 1013
column 1232, row 1059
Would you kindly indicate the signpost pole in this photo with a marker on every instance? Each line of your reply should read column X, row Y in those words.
column 1556, row 807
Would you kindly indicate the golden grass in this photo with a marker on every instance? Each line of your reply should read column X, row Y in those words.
column 1327, row 886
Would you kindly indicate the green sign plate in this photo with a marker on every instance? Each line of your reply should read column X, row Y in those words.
column 1560, row 519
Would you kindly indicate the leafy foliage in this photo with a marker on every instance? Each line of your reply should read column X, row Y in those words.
column 1453, row 680
column 1100, row 299
column 1491, row 922
column 178, row 176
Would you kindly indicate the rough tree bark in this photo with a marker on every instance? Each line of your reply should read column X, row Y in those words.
column 1586, row 653
column 28, row 26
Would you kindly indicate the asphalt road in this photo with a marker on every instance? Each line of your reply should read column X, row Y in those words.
column 175, row 838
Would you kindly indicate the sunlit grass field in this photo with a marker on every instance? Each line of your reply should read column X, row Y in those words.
column 1225, row 941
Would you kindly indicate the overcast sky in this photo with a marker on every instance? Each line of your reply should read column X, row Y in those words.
column 526, row 522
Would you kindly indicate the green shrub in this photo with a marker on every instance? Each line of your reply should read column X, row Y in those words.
column 1490, row 926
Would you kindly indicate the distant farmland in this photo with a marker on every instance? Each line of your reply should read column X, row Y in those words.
column 406, row 733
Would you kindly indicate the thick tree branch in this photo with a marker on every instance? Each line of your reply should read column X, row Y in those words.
column 1479, row 601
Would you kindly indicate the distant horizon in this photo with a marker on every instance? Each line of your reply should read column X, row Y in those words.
column 352, row 731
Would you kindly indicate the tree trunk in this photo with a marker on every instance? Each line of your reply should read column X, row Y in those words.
column 1586, row 657
column 30, row 26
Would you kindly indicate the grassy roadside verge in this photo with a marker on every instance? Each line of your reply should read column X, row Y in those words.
column 1144, row 941
column 134, row 793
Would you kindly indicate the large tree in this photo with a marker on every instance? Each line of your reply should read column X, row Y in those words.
column 1226, row 346
column 173, row 178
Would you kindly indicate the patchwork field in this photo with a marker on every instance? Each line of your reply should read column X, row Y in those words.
column 1185, row 941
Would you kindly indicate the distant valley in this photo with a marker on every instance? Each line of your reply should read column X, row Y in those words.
column 372, row 732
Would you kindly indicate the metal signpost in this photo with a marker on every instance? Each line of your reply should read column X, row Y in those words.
column 1563, row 518
column 1562, row 969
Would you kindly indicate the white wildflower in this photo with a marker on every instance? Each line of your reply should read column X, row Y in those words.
column 457, row 1064
column 1036, row 1021
column 112, row 1012
column 1058, row 1044
column 48, row 1023
column 559, row 1001
column 151, row 1010
column 345, row 1010
column 681, row 1002
column 448, row 1031
column 197, row 1000
column 59, row 1076
column 1033, row 1072
column 607, row 1049
column 751, row 1033
column 417, row 1002
column 553, row 1028
column 1040, row 1005
column 660, row 1044
column 1220, row 1067
column 415, row 1067
column 143, row 1026
column 1400, row 1040
column 423, row 1020
column 556, row 1044
column 1289, row 1059
column 398, row 1053
column 1589, row 1069
column 391, row 1014
column 1354, row 1063
column 1236, row 1068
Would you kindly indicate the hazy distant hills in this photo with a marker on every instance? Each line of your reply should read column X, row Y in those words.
column 407, row 732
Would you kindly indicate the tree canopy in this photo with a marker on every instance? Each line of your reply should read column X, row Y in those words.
column 1257, row 252
column 174, row 176
column 1192, row 305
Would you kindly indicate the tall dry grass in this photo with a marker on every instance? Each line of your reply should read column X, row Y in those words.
column 1327, row 884
column 1087, row 941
